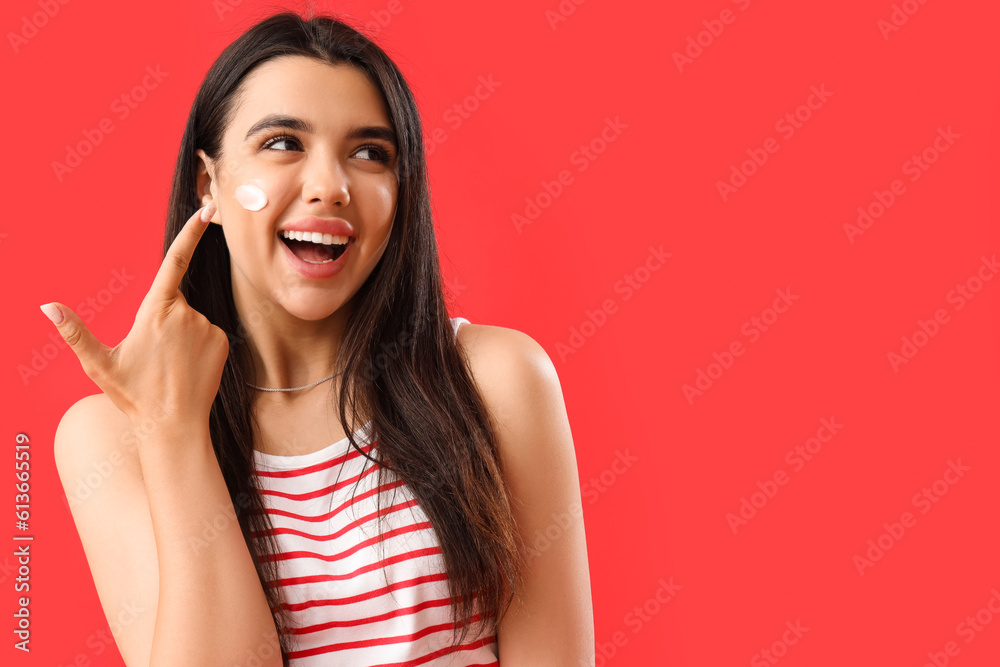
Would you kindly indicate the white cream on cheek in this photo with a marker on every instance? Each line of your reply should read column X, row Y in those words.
column 251, row 196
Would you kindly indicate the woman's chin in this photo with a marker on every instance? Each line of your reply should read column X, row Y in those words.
column 310, row 310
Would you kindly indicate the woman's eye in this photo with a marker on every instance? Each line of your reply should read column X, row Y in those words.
column 376, row 153
column 284, row 143
column 274, row 141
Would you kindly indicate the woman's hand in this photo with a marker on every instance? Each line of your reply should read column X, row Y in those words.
column 170, row 363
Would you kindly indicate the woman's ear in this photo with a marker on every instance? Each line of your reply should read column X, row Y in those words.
column 205, row 182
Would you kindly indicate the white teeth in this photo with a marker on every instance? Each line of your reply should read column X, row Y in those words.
column 316, row 237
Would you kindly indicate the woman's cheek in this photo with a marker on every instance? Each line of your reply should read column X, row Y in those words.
column 251, row 195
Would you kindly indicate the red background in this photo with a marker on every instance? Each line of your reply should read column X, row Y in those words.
column 665, row 515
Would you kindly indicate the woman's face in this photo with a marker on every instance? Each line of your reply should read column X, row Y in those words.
column 317, row 141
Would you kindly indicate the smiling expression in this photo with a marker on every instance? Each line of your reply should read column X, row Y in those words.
column 317, row 140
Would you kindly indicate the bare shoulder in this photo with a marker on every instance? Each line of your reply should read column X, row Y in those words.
column 520, row 386
column 512, row 370
column 91, row 429
column 497, row 352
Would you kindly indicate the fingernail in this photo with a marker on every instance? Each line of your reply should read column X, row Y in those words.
column 207, row 212
column 52, row 312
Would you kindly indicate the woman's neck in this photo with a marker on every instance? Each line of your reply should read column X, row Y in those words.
column 287, row 351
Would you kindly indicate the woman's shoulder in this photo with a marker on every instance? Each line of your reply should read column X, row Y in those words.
column 492, row 348
column 513, row 371
column 97, row 409
column 92, row 429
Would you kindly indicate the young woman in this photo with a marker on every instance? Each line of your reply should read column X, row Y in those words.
column 299, row 304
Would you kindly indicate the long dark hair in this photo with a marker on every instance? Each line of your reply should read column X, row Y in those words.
column 401, row 367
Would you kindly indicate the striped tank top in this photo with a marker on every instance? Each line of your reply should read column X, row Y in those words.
column 343, row 610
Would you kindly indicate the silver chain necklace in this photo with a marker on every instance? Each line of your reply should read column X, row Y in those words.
column 294, row 388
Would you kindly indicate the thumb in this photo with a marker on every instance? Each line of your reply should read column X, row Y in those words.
column 84, row 344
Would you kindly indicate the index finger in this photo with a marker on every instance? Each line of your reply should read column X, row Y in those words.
column 178, row 258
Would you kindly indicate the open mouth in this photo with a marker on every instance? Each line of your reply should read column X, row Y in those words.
column 315, row 253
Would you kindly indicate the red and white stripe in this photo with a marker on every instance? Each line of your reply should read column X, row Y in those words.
column 345, row 612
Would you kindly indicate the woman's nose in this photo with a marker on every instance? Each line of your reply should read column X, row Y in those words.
column 326, row 181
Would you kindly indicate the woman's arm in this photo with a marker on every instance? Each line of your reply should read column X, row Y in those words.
column 550, row 622
column 174, row 574
column 159, row 384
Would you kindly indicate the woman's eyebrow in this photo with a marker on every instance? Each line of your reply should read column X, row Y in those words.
column 278, row 120
column 274, row 120
column 374, row 132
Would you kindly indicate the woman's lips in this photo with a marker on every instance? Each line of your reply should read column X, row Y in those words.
column 314, row 252
column 314, row 270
